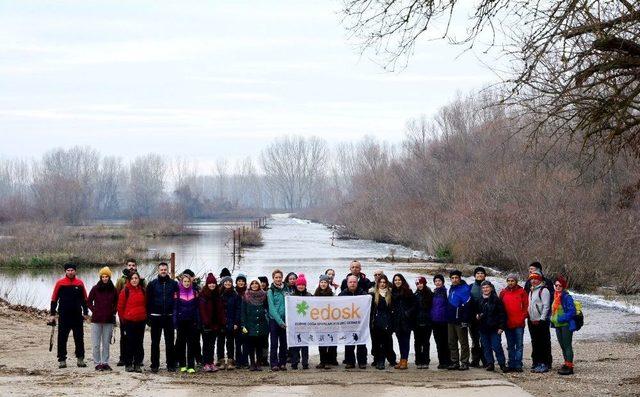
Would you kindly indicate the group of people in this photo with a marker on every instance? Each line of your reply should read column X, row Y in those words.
column 223, row 323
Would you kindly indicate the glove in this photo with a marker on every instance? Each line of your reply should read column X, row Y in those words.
column 245, row 330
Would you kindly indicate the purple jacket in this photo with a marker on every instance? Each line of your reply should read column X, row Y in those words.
column 439, row 308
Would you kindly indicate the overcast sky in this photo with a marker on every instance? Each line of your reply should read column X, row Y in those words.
column 204, row 79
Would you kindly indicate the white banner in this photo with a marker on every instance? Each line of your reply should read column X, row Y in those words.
column 327, row 321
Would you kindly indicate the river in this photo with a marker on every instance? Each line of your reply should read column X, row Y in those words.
column 292, row 245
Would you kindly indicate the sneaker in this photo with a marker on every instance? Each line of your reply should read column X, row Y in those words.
column 191, row 371
column 81, row 363
column 128, row 368
column 283, row 368
column 565, row 370
column 257, row 368
column 320, row 366
column 99, row 367
column 541, row 369
column 206, row 368
column 137, row 368
column 62, row 364
column 453, row 367
column 362, row 366
column 275, row 368
column 214, row 368
column 442, row 366
column 183, row 369
column 120, row 363
column 154, row 370
column 380, row 365
column 536, row 369
column 349, row 366
column 106, row 367
column 464, row 367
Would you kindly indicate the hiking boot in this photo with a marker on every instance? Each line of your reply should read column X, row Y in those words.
column 81, row 363
column 155, row 370
column 464, row 367
column 504, row 369
column 172, row 369
column 294, row 366
column 137, row 368
column 404, row 364
column 490, row 367
column 349, row 366
column 283, row 367
column 231, row 365
column 565, row 370
column 362, row 366
column 305, row 366
column 128, row 368
column 507, row 370
column 120, row 363
column 442, row 366
column 380, row 365
column 62, row 364
column 475, row 364
column 453, row 367
column 320, row 366
column 275, row 368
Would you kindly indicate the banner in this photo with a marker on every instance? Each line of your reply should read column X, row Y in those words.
column 327, row 321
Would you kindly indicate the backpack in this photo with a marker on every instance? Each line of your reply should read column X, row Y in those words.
column 579, row 317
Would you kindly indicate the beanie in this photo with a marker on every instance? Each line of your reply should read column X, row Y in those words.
column 438, row 277
column 211, row 279
column 105, row 271
column 324, row 277
column 301, row 280
column 537, row 265
column 225, row 272
column 225, row 279
column 479, row 269
column 421, row 280
column 70, row 265
column 241, row 276
column 512, row 276
column 189, row 273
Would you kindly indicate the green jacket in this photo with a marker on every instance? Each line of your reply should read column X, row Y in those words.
column 254, row 318
column 275, row 297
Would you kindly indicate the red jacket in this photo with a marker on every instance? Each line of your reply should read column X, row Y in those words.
column 516, row 304
column 132, row 307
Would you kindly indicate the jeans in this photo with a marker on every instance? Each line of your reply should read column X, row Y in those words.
column 101, row 337
column 296, row 352
column 64, row 328
column 458, row 334
column 359, row 352
column 565, row 339
column 208, row 346
column 492, row 343
column 514, row 346
column 162, row 325
column 540, row 343
column 421, row 345
column 440, row 334
column 186, row 343
column 278, row 347
column 404, row 338
column 134, row 342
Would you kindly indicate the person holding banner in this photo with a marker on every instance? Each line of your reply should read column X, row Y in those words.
column 382, row 323
column 404, row 304
column 277, row 325
column 353, row 289
column 328, row 354
column 296, row 352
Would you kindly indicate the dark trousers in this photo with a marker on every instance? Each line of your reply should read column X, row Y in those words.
column 421, row 345
column 208, row 346
column 122, row 345
column 441, row 336
column 254, row 348
column 299, row 352
column 197, row 350
column 226, row 339
column 278, row 347
column 384, row 347
column 241, row 349
column 352, row 352
column 477, row 353
column 404, row 338
column 160, row 325
column 64, row 328
column 264, row 359
column 328, row 355
column 133, row 342
column 186, row 339
column 540, row 343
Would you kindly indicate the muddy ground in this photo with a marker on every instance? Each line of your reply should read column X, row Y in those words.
column 28, row 368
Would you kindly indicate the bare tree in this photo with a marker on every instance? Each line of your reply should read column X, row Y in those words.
column 109, row 187
column 146, row 184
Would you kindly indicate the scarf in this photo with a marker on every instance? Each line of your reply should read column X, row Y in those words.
column 255, row 297
column 556, row 309
column 383, row 292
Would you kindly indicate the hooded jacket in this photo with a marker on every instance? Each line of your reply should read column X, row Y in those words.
column 459, row 305
column 539, row 303
column 275, row 299
column 186, row 306
column 439, row 307
column 516, row 306
column 132, row 304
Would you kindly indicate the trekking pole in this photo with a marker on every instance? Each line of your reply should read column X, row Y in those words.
column 52, row 324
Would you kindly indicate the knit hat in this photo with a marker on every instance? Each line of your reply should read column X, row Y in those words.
column 324, row 277
column 421, row 280
column 455, row 273
column 562, row 281
column 479, row 269
column 301, row 280
column 189, row 273
column 438, row 276
column 70, row 265
column 225, row 279
column 105, row 271
column 225, row 272
column 537, row 265
column 536, row 274
column 241, row 276
column 211, row 279
column 252, row 280
column 512, row 276
column 263, row 279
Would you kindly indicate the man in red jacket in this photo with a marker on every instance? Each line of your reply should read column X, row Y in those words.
column 516, row 303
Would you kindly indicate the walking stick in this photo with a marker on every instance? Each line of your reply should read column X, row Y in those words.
column 52, row 324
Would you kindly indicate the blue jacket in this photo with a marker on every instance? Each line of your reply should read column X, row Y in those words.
column 440, row 303
column 160, row 296
column 569, row 309
column 275, row 299
column 459, row 305
column 232, row 306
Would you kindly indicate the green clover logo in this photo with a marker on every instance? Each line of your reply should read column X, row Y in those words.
column 302, row 308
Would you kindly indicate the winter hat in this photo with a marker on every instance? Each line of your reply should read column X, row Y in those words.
column 438, row 276
column 70, row 265
column 241, row 276
column 263, row 279
column 536, row 274
column 211, row 279
column 105, row 271
column 225, row 279
column 479, row 269
column 189, row 273
column 225, row 272
column 455, row 273
column 512, row 276
column 537, row 265
column 421, row 280
column 301, row 280
column 324, row 277
column 562, row 281
column 286, row 279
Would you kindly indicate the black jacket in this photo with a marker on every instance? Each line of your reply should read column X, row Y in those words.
column 363, row 282
column 424, row 303
column 492, row 314
column 69, row 300
column 160, row 296
column 404, row 308
column 381, row 315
